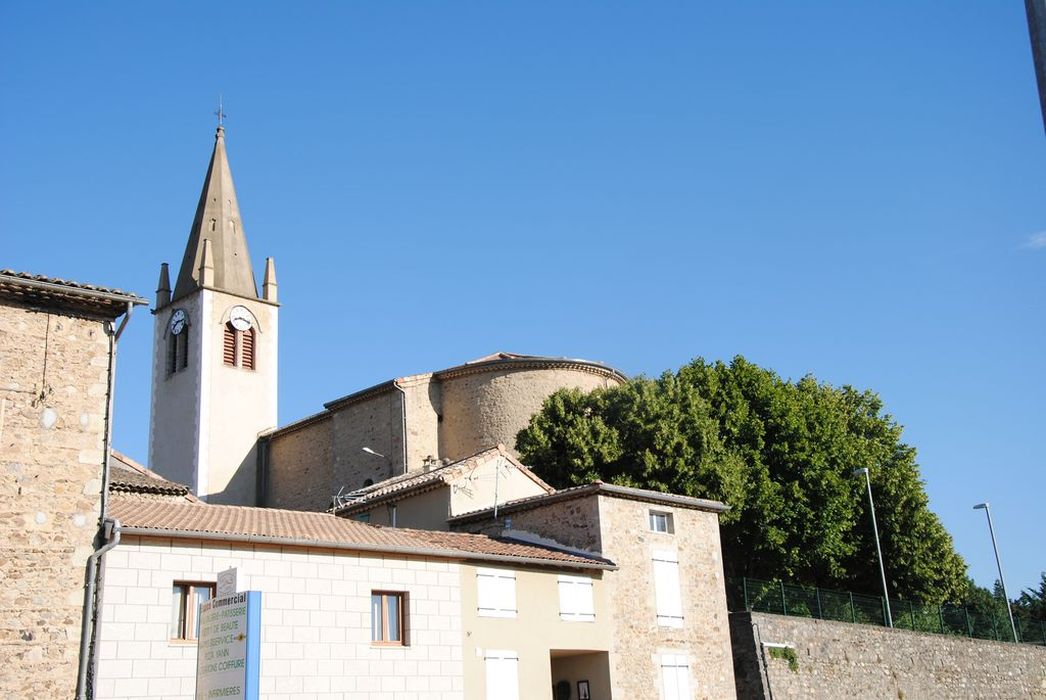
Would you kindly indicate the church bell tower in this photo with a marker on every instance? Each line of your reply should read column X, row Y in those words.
column 214, row 352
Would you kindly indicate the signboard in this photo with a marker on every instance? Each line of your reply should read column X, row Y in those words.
column 226, row 583
column 227, row 654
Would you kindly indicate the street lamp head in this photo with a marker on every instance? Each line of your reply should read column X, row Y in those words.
column 862, row 470
column 981, row 506
column 372, row 452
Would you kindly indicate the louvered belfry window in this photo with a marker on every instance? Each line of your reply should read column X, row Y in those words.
column 177, row 351
column 229, row 345
column 247, row 349
column 238, row 347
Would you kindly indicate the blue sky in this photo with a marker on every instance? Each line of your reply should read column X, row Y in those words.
column 853, row 192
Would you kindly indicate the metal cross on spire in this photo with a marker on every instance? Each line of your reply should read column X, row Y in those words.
column 220, row 113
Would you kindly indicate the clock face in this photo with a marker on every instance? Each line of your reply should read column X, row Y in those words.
column 240, row 318
column 178, row 321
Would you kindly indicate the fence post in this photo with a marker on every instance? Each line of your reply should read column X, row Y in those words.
column 969, row 628
column 911, row 612
column 940, row 616
column 817, row 594
column 744, row 585
column 853, row 610
column 995, row 628
column 784, row 603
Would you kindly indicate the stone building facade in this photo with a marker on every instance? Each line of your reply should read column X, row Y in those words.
column 318, row 576
column 57, row 355
column 403, row 423
column 649, row 536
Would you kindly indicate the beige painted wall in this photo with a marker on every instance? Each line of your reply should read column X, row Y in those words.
column 476, row 488
column 53, row 380
column 424, row 511
column 532, row 634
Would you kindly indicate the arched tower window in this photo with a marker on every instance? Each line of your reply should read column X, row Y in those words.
column 177, row 343
column 238, row 347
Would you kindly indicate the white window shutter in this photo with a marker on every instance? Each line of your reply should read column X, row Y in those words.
column 575, row 598
column 666, row 590
column 502, row 669
column 496, row 592
column 675, row 677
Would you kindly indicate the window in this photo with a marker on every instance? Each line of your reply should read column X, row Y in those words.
column 177, row 351
column 675, row 677
column 502, row 671
column 666, row 589
column 386, row 618
column 496, row 592
column 185, row 606
column 575, row 599
column 661, row 522
column 238, row 347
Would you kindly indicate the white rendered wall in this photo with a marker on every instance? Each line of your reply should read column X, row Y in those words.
column 315, row 640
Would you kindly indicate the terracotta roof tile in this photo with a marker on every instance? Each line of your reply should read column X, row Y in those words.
column 419, row 481
column 241, row 523
column 128, row 476
column 52, row 292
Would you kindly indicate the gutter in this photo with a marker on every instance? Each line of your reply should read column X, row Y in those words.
column 403, row 421
column 362, row 547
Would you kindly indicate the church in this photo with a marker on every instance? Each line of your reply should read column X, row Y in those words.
column 400, row 547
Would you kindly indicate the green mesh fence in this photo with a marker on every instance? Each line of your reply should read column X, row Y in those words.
column 803, row 601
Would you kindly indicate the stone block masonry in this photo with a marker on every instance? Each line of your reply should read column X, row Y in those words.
column 53, row 385
column 841, row 660
column 316, row 621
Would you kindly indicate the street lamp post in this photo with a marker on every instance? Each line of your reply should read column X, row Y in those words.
column 998, row 562
column 878, row 549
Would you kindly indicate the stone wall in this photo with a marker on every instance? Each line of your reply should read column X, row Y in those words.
column 573, row 522
column 53, row 384
column 838, row 659
column 704, row 637
column 487, row 408
column 619, row 530
column 299, row 463
column 315, row 621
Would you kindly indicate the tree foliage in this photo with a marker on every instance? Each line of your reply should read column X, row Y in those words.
column 779, row 453
column 1031, row 604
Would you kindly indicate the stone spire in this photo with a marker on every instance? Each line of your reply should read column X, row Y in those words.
column 218, row 224
column 163, row 288
column 269, row 283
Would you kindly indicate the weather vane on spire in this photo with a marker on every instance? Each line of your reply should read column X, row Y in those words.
column 220, row 113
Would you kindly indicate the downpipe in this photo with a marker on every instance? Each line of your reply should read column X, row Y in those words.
column 111, row 533
column 89, row 629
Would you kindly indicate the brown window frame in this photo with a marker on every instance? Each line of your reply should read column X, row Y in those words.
column 187, row 613
column 401, row 622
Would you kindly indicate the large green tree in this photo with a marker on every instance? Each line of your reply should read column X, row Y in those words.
column 779, row 453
